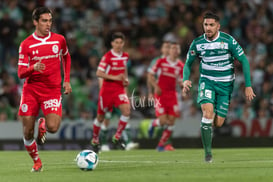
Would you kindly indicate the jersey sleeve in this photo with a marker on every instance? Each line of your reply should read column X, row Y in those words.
column 66, row 60
column 152, row 63
column 103, row 63
column 24, row 70
column 191, row 55
column 180, row 78
column 155, row 67
column 238, row 52
column 64, row 47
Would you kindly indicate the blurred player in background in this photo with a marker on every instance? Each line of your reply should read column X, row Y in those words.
column 217, row 51
column 166, row 105
column 126, row 134
column 40, row 57
column 112, row 68
column 156, row 123
column 165, row 47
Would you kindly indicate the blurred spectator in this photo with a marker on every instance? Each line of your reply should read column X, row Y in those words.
column 88, row 24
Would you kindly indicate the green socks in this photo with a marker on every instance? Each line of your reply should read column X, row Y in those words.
column 206, row 134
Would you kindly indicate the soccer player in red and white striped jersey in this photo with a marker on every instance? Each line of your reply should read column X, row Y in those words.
column 166, row 103
column 112, row 68
column 40, row 57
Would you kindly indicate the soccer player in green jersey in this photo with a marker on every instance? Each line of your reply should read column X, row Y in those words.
column 217, row 52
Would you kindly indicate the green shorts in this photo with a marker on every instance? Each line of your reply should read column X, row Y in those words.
column 217, row 93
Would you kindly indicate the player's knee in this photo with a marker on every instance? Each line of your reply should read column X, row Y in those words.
column 208, row 113
column 52, row 127
column 100, row 118
column 126, row 113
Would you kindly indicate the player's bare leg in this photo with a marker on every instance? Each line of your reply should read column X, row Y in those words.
column 30, row 143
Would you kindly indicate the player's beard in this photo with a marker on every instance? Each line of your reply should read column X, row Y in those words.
column 210, row 35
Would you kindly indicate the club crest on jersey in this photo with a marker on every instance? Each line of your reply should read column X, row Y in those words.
column 222, row 45
column 24, row 107
column 55, row 49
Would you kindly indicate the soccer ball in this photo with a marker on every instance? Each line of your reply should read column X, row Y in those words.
column 87, row 160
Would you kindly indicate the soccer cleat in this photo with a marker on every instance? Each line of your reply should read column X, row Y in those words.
column 208, row 158
column 41, row 139
column 95, row 146
column 131, row 146
column 160, row 148
column 37, row 167
column 169, row 147
column 105, row 148
column 118, row 144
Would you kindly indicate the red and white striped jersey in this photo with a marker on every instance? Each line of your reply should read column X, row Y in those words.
column 113, row 64
column 49, row 50
column 169, row 73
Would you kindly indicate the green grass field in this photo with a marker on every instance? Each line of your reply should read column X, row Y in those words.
column 143, row 165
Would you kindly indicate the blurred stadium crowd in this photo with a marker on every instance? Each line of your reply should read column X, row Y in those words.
column 87, row 25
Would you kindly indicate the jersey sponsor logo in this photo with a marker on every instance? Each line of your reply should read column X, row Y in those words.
column 24, row 107
column 55, row 49
column 212, row 46
column 208, row 94
column 52, row 103
column 37, row 58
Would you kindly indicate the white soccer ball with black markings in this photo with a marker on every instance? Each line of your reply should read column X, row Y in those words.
column 87, row 160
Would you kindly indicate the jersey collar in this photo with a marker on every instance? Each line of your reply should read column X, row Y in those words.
column 41, row 39
column 213, row 39
column 171, row 62
column 116, row 54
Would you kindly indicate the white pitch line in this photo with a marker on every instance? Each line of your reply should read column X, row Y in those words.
column 147, row 162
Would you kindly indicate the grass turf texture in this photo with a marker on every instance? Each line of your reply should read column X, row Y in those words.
column 143, row 165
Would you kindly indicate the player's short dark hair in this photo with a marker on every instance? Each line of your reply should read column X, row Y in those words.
column 38, row 11
column 118, row 35
column 211, row 15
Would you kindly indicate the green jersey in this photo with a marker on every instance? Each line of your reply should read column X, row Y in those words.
column 217, row 58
